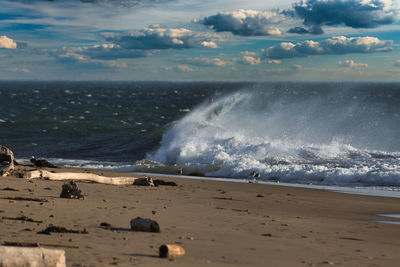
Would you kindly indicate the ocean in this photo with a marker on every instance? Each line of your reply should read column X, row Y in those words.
column 333, row 134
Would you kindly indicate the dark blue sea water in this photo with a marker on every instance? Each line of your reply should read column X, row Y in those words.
column 324, row 133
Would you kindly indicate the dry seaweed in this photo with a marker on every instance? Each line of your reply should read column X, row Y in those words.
column 158, row 182
column 35, row 244
column 60, row 229
column 21, row 218
column 71, row 190
column 9, row 189
column 26, row 199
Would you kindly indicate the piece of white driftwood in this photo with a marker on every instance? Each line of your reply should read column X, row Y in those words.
column 59, row 176
column 31, row 257
column 6, row 160
column 171, row 251
column 145, row 225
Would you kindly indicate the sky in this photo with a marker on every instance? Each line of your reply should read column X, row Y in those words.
column 208, row 40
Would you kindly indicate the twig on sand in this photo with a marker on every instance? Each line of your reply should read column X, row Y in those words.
column 35, row 244
column 26, row 199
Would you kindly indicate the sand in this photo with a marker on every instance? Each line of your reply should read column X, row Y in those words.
column 217, row 223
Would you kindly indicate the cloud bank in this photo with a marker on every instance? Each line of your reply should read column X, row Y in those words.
column 336, row 45
column 245, row 22
column 7, row 43
column 351, row 13
column 351, row 64
column 163, row 38
column 206, row 62
column 115, row 2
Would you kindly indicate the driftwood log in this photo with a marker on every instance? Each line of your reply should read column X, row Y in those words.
column 81, row 176
column 145, row 225
column 28, row 256
column 6, row 160
column 171, row 251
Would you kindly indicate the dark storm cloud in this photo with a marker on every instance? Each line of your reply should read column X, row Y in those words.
column 351, row 13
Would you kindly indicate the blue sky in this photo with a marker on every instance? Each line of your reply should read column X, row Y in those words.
column 200, row 40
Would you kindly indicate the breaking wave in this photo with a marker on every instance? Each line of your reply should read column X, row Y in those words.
column 331, row 134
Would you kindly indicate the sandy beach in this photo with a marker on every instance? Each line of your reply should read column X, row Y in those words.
column 217, row 223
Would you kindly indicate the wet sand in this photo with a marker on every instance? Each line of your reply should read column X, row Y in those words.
column 218, row 223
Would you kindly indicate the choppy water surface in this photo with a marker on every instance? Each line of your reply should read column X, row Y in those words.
column 320, row 133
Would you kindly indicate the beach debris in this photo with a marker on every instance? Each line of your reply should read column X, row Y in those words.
column 158, row 182
column 35, row 244
column 259, row 195
column 59, row 229
column 71, row 190
column 105, row 225
column 145, row 225
column 6, row 161
column 171, row 251
column 9, row 189
column 223, row 198
column 81, row 176
column 197, row 173
column 42, row 163
column 254, row 177
column 30, row 256
column 21, row 218
column 26, row 199
column 147, row 181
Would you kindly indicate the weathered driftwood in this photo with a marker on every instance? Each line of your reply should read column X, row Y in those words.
column 6, row 160
column 81, row 176
column 22, row 256
column 171, row 251
column 145, row 225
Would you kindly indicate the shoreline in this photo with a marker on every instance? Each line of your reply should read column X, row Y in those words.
column 219, row 223
column 379, row 191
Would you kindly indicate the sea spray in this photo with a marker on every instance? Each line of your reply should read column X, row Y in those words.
column 340, row 134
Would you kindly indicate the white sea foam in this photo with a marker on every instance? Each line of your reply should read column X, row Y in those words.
column 301, row 139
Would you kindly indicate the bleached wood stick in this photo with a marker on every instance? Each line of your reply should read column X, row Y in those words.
column 21, row 256
column 59, row 176
column 171, row 251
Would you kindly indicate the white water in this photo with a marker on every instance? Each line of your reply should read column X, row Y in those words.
column 331, row 138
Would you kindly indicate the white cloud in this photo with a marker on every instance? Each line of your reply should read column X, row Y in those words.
column 335, row 45
column 76, row 55
column 245, row 22
column 296, row 67
column 205, row 61
column 7, row 43
column 24, row 70
column 351, row 64
column 250, row 60
column 163, row 38
column 273, row 61
column 209, row 44
column 184, row 68
column 248, row 53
